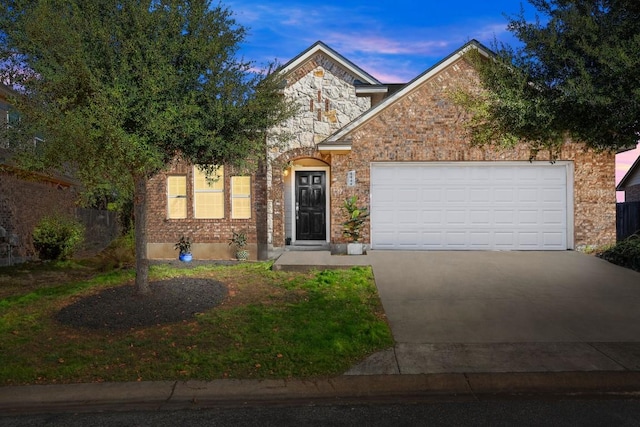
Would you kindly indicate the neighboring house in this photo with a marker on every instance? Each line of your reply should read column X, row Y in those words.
column 403, row 150
column 628, row 213
column 630, row 183
column 25, row 197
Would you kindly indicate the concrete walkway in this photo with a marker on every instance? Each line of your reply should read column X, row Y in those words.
column 467, row 325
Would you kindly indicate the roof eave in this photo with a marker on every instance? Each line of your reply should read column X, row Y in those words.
column 333, row 147
column 321, row 47
column 363, row 90
column 627, row 176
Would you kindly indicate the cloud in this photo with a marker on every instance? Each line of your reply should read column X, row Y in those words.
column 379, row 45
column 393, row 45
column 296, row 15
column 386, row 70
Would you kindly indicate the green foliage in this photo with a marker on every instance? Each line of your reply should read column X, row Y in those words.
column 238, row 238
column 56, row 237
column 183, row 246
column 625, row 253
column 130, row 84
column 120, row 254
column 575, row 75
column 356, row 217
column 122, row 88
column 502, row 116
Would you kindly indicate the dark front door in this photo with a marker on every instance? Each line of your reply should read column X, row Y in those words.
column 310, row 206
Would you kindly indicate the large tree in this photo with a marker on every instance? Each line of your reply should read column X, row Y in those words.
column 575, row 74
column 119, row 88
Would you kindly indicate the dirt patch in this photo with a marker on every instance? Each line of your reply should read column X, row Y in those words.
column 20, row 280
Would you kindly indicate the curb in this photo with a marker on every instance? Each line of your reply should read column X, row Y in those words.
column 166, row 395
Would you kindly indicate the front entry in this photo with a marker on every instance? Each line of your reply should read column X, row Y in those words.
column 311, row 205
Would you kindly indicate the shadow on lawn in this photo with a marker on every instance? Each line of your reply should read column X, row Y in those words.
column 171, row 300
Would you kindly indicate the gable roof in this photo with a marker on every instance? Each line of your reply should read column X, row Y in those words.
column 633, row 172
column 320, row 47
column 333, row 142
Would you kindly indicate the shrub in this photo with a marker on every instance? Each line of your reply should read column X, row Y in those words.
column 356, row 217
column 121, row 253
column 625, row 253
column 56, row 237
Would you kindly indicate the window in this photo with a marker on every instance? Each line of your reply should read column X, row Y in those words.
column 208, row 194
column 177, row 197
column 240, row 197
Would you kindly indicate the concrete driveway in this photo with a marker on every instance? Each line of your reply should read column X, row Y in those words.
column 493, row 297
column 506, row 312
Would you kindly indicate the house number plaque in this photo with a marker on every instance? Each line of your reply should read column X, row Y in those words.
column 351, row 179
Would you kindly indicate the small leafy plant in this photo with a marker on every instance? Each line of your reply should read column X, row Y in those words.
column 239, row 239
column 356, row 217
column 56, row 237
column 183, row 245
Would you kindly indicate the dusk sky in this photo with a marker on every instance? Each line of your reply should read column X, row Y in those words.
column 392, row 40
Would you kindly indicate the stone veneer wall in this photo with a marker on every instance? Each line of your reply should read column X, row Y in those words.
column 425, row 126
column 327, row 100
column 326, row 95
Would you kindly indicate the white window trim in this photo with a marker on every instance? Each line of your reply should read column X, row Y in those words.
column 182, row 196
column 207, row 190
column 240, row 196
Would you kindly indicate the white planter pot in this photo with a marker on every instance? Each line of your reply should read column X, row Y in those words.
column 355, row 248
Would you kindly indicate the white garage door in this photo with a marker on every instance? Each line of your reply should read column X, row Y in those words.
column 471, row 206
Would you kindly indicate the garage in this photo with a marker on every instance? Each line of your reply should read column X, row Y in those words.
column 472, row 205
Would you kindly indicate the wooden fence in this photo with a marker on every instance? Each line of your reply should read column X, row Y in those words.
column 627, row 219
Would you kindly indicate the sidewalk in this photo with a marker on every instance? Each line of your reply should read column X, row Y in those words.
column 317, row 260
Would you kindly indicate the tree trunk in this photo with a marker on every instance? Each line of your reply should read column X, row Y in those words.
column 140, row 215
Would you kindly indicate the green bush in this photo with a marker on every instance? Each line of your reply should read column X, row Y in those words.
column 56, row 237
column 625, row 253
column 120, row 254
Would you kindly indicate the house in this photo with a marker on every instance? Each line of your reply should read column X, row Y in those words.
column 628, row 213
column 403, row 151
column 630, row 183
column 25, row 197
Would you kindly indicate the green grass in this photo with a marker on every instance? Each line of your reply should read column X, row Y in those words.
column 272, row 325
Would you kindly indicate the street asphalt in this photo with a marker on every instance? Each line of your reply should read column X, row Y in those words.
column 467, row 325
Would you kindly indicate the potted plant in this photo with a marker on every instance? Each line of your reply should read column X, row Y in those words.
column 184, row 247
column 239, row 239
column 352, row 227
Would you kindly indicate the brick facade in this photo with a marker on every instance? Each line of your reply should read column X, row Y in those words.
column 426, row 126
column 210, row 236
column 422, row 124
column 24, row 200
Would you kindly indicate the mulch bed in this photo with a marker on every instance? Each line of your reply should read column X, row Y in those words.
column 171, row 300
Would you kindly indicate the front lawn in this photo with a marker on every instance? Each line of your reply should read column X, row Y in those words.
column 270, row 325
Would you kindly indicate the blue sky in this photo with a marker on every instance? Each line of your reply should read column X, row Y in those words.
column 392, row 40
